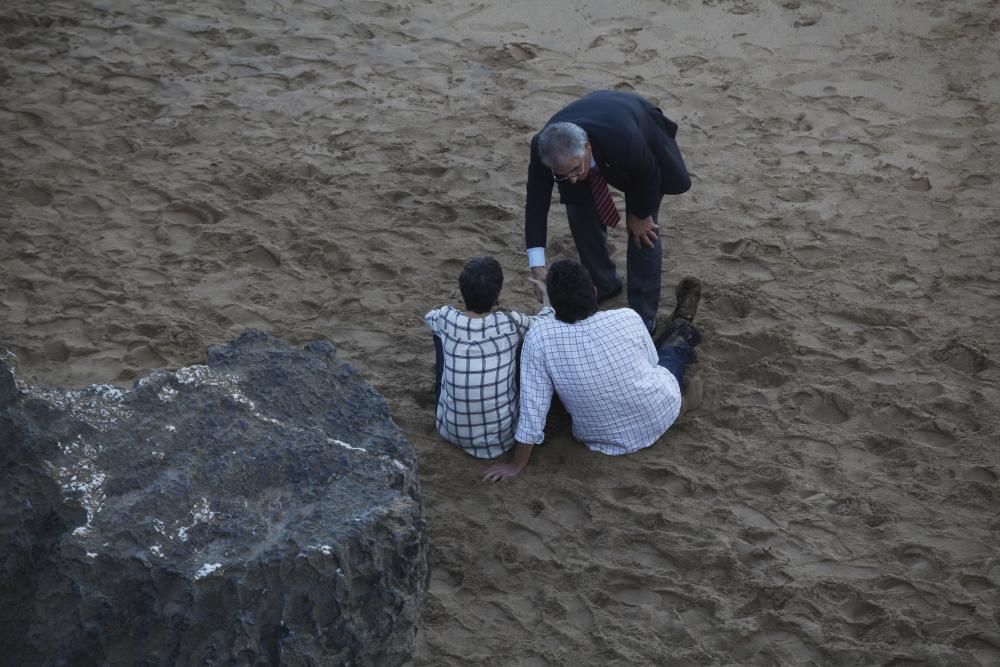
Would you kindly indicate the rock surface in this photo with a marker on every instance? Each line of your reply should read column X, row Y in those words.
column 259, row 509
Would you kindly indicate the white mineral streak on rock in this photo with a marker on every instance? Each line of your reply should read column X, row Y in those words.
column 171, row 428
column 196, row 374
column 99, row 405
column 108, row 391
column 341, row 443
column 231, row 382
column 207, row 569
column 166, row 394
column 324, row 549
column 91, row 554
column 200, row 513
column 80, row 478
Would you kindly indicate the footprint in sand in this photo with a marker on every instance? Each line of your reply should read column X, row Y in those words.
column 963, row 357
column 84, row 206
column 685, row 63
column 976, row 181
column 178, row 237
column 16, row 301
column 144, row 356
column 56, row 350
column 980, row 475
column 240, row 317
column 778, row 642
column 508, row 55
column 136, row 84
column 37, row 195
column 985, row 650
column 192, row 213
column 262, row 258
column 823, row 406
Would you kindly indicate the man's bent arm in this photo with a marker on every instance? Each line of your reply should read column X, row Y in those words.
column 538, row 200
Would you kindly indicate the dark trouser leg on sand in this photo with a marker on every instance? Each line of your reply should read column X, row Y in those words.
column 675, row 358
column 644, row 268
column 643, row 264
column 438, row 367
column 676, row 351
column 591, row 238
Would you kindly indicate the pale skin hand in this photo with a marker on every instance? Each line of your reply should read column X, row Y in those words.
column 644, row 230
column 538, row 274
column 541, row 292
column 518, row 460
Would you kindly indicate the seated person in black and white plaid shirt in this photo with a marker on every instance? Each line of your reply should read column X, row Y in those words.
column 477, row 354
column 622, row 389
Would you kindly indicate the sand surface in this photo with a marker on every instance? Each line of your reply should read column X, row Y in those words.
column 175, row 172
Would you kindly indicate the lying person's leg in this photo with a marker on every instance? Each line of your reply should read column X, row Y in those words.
column 676, row 349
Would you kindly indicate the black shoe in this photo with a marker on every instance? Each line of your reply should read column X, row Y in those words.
column 688, row 295
column 612, row 293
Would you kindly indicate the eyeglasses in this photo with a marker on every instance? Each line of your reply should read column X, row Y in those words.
column 576, row 173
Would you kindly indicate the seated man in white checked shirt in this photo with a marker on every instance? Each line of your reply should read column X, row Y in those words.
column 477, row 362
column 622, row 389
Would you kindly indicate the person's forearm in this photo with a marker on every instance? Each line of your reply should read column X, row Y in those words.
column 517, row 461
column 521, row 455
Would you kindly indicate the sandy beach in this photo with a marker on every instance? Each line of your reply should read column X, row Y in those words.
column 177, row 172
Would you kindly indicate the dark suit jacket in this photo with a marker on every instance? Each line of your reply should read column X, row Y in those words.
column 633, row 144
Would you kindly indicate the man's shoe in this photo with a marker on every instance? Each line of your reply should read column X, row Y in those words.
column 688, row 295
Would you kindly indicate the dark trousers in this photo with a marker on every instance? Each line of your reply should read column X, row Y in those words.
column 643, row 265
column 674, row 356
column 438, row 367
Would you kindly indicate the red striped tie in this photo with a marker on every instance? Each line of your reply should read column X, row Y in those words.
column 602, row 198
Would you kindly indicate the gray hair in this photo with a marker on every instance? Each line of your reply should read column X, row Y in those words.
column 560, row 142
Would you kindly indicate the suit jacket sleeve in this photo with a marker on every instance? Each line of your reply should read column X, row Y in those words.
column 536, row 210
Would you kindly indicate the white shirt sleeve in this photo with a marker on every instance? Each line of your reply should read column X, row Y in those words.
column 536, row 257
column 536, row 395
column 431, row 320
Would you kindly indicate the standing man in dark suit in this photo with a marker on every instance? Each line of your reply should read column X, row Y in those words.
column 616, row 138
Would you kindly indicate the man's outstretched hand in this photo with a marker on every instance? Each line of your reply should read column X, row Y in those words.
column 538, row 273
column 541, row 291
column 643, row 230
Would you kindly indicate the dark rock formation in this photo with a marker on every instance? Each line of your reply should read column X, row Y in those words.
column 260, row 509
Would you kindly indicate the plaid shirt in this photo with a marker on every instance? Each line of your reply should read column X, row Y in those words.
column 605, row 371
column 477, row 408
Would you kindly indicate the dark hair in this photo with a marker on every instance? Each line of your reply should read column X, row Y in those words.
column 571, row 291
column 480, row 281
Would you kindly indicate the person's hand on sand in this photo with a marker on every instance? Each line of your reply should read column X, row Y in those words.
column 501, row 471
column 538, row 274
column 517, row 459
column 541, row 292
column 643, row 230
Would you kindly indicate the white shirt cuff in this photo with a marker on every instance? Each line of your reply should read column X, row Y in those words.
column 536, row 257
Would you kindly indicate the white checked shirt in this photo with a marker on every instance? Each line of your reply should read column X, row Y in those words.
column 477, row 408
column 605, row 370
